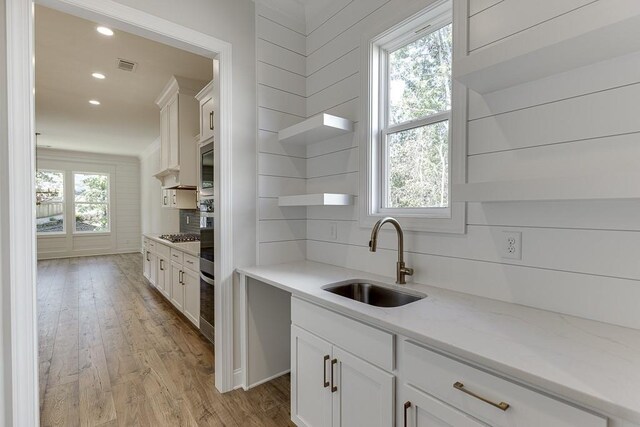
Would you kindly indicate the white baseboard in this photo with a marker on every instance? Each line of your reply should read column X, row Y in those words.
column 62, row 255
column 266, row 380
column 237, row 379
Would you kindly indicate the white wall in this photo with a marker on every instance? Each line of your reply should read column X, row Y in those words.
column 154, row 218
column 281, row 65
column 5, row 321
column 124, row 235
column 579, row 257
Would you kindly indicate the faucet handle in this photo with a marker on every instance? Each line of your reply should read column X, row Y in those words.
column 408, row 271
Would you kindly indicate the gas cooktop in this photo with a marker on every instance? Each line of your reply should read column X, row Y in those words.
column 180, row 238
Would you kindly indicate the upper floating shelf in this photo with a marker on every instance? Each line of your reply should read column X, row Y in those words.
column 320, row 199
column 315, row 129
column 593, row 33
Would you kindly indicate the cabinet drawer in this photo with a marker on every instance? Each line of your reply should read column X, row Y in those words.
column 436, row 374
column 370, row 343
column 163, row 251
column 151, row 245
column 176, row 255
column 191, row 262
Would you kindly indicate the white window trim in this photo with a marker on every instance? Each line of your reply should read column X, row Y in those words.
column 45, row 234
column 419, row 219
column 74, row 203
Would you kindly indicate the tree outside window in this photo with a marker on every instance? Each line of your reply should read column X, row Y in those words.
column 50, row 201
column 91, row 203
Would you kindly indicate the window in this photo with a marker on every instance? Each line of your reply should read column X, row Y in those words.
column 91, row 202
column 50, row 201
column 409, row 148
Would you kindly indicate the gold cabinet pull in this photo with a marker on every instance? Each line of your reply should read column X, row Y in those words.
column 459, row 386
column 407, row 405
column 324, row 368
column 334, row 387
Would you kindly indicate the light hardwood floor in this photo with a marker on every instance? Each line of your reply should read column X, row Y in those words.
column 113, row 352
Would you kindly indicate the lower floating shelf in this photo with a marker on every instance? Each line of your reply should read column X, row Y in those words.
column 320, row 199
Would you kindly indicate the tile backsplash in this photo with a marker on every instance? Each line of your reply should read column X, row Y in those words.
column 189, row 221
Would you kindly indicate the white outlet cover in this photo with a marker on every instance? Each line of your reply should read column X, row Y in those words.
column 511, row 245
column 333, row 230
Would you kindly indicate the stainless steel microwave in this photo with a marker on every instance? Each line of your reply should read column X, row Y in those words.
column 206, row 170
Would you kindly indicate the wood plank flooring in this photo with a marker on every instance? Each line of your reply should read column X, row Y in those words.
column 114, row 352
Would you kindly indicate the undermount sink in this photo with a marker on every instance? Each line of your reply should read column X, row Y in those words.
column 371, row 294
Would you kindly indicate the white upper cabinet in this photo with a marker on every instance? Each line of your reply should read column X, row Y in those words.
column 209, row 98
column 179, row 124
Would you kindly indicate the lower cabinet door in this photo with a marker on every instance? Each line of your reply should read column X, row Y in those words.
column 153, row 272
column 310, row 379
column 419, row 409
column 164, row 277
column 146, row 265
column 364, row 394
column 192, row 296
column 177, row 288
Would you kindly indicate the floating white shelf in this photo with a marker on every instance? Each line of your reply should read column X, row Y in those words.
column 593, row 33
column 317, row 128
column 320, row 199
column 578, row 188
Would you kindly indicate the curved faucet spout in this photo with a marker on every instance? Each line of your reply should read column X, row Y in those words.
column 401, row 270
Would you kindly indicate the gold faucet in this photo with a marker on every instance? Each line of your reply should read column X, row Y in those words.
column 401, row 270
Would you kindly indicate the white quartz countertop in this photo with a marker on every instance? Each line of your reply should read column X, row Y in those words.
column 191, row 248
column 594, row 364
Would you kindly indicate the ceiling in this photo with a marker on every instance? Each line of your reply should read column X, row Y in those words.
column 68, row 50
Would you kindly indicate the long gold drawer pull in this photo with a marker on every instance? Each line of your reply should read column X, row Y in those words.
column 459, row 386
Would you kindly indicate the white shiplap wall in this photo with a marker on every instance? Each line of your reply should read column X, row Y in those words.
column 578, row 257
column 125, row 205
column 281, row 68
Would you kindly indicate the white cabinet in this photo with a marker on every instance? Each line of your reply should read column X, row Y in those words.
column 179, row 123
column 164, row 276
column 177, row 291
column 176, row 275
column 208, row 115
column 480, row 395
column 310, row 379
column 418, row 409
column 179, row 199
column 330, row 386
column 362, row 394
column 191, row 287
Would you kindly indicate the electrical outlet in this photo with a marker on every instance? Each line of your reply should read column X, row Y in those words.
column 511, row 245
column 333, row 230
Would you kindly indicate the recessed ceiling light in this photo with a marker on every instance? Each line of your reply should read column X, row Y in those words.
column 94, row 102
column 98, row 75
column 105, row 31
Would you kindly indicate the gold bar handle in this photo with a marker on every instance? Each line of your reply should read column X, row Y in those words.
column 459, row 386
column 324, row 368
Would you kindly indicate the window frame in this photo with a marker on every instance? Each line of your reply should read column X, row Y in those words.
column 402, row 31
column 74, row 231
column 64, row 205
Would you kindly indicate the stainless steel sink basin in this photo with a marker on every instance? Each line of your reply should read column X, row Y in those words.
column 369, row 293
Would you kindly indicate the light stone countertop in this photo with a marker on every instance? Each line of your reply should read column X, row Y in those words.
column 191, row 248
column 591, row 363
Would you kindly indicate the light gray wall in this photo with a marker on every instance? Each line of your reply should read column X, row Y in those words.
column 154, row 218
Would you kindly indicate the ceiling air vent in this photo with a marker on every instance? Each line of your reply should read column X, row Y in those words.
column 125, row 65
